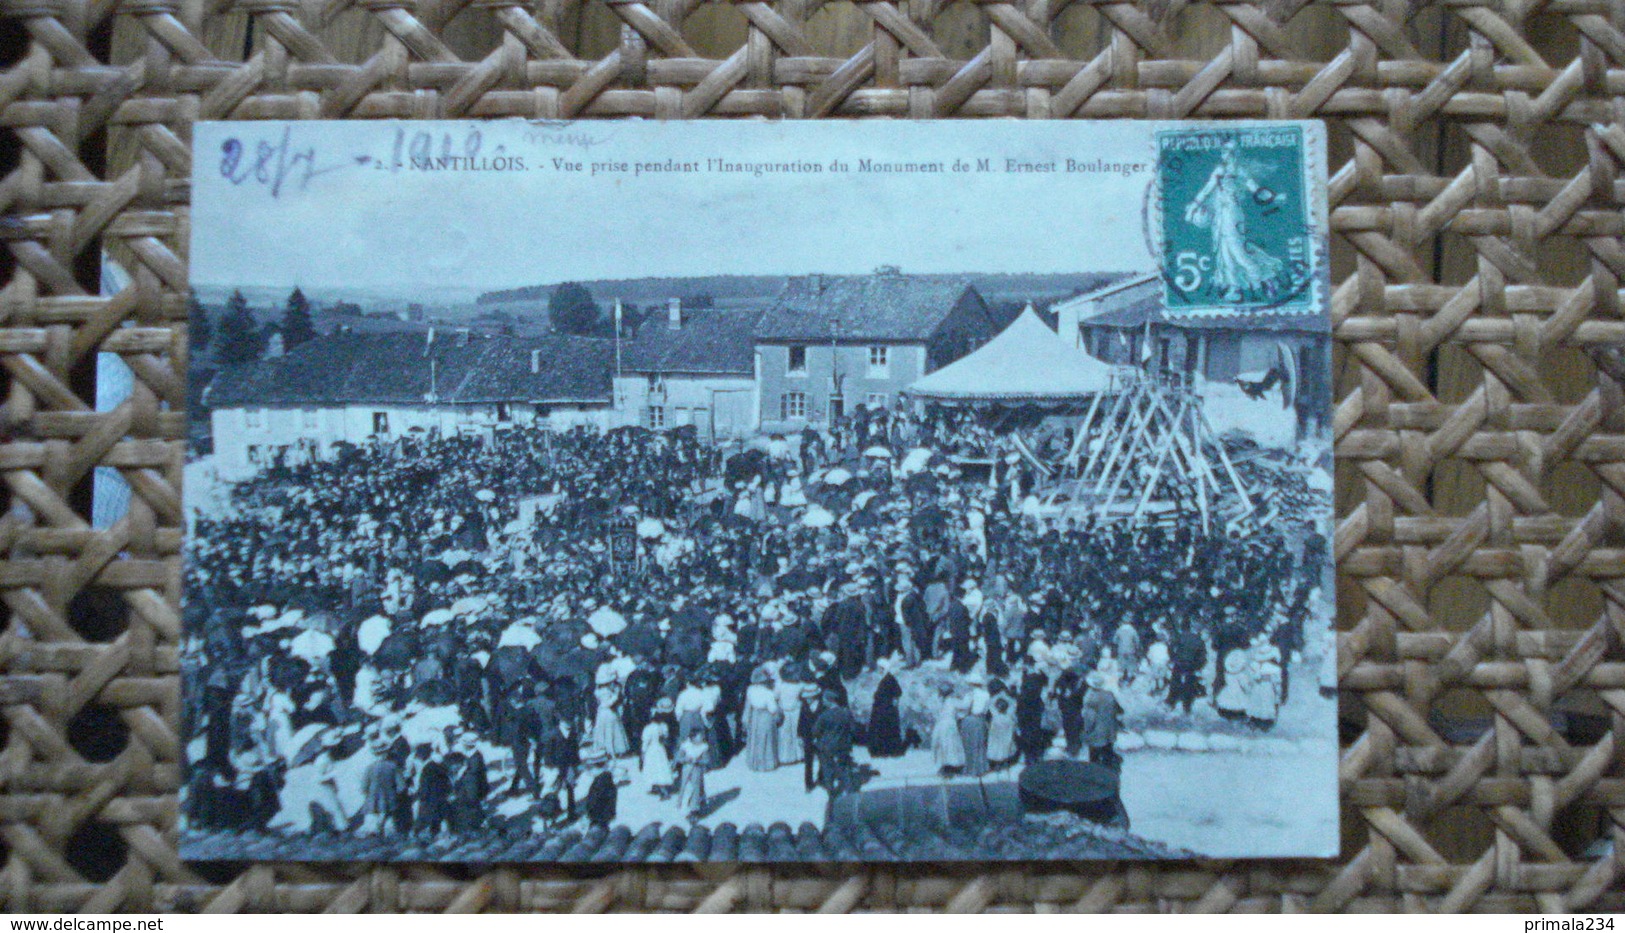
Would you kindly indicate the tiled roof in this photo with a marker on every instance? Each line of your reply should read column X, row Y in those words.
column 843, row 841
column 883, row 306
column 407, row 368
column 708, row 341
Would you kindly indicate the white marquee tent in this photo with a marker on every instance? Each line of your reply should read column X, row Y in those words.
column 1026, row 362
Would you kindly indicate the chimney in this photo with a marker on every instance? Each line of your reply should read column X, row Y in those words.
column 674, row 313
column 817, row 281
column 535, row 361
column 462, row 336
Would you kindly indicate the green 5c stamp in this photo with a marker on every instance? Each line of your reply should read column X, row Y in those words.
column 1235, row 219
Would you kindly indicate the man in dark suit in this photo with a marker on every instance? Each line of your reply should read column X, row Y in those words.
column 516, row 729
column 957, row 623
column 833, row 737
column 470, row 787
column 433, row 795
column 913, row 621
column 602, row 794
column 561, row 753
column 812, row 706
column 638, row 697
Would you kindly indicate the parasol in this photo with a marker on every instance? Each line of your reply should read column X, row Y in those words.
column 470, row 605
column 878, row 451
column 428, row 725
column 485, row 495
column 839, row 476
column 651, row 528
column 311, row 645
column 372, row 633
column 915, row 461
column 455, row 556
column 744, row 465
column 439, row 617
column 817, row 516
column 519, row 635
column 286, row 620
column 606, row 621
column 641, row 639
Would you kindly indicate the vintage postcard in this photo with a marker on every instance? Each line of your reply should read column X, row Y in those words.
column 748, row 491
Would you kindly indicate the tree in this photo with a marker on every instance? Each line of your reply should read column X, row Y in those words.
column 297, row 326
column 237, row 339
column 199, row 330
column 572, row 310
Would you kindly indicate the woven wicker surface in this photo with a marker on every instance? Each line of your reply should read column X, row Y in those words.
column 1476, row 194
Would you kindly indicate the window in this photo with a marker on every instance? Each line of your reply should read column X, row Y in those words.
column 380, row 422
column 792, row 405
column 878, row 401
column 504, row 412
column 254, row 418
column 879, row 362
column 256, row 455
column 798, row 361
column 657, row 417
column 837, row 408
column 312, row 418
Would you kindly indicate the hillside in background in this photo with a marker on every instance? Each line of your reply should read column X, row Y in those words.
column 747, row 290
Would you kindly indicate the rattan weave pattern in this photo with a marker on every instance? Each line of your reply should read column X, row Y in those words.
column 1476, row 193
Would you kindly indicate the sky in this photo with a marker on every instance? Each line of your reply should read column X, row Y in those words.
column 337, row 204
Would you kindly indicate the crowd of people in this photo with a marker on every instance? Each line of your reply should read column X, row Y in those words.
column 429, row 634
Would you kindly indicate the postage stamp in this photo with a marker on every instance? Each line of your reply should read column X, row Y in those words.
column 1235, row 223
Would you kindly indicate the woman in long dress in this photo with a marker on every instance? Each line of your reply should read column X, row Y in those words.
column 761, row 723
column 947, row 746
column 1264, row 687
column 788, row 694
column 657, row 769
column 1001, row 731
column 608, row 733
column 692, row 756
column 885, row 719
column 1231, row 701
column 973, row 727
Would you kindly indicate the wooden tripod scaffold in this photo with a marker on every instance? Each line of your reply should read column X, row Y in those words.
column 1152, row 434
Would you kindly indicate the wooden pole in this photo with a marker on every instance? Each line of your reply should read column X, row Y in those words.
column 1082, row 436
column 1094, row 455
column 1163, row 449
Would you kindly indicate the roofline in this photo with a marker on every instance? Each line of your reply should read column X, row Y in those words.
column 1136, row 278
column 442, row 403
column 688, row 372
column 1307, row 327
column 846, row 340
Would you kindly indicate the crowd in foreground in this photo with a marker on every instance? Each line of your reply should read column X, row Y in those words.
column 438, row 634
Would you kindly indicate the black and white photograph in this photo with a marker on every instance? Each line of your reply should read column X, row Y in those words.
column 625, row 491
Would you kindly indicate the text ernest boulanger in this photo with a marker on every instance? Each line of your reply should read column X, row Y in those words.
column 723, row 166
